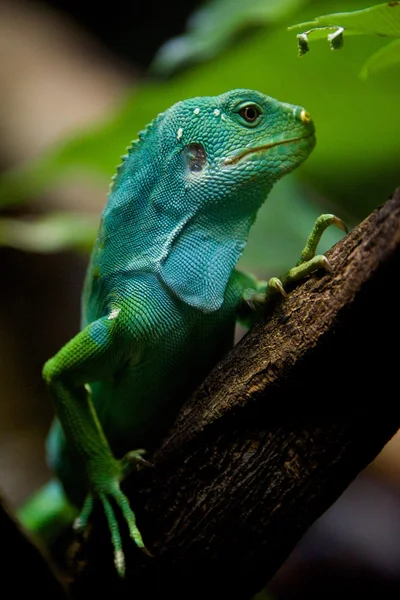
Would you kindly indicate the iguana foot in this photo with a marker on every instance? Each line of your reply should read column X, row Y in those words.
column 322, row 223
column 308, row 263
column 133, row 459
column 264, row 292
column 108, row 492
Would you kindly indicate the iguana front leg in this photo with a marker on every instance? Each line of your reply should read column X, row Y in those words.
column 95, row 353
column 261, row 292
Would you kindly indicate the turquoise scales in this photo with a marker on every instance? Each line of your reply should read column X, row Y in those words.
column 162, row 294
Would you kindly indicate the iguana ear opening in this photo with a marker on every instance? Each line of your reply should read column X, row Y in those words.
column 198, row 265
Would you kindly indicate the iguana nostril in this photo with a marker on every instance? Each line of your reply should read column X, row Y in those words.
column 305, row 117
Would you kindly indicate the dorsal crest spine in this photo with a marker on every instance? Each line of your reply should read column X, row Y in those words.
column 135, row 145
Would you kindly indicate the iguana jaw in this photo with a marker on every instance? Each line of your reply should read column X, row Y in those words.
column 232, row 160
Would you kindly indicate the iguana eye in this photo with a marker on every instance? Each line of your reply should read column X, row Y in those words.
column 250, row 113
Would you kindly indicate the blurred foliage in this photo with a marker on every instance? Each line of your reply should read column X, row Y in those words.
column 354, row 167
column 50, row 233
column 382, row 20
column 216, row 24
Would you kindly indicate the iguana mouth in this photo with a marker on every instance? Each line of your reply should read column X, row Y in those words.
column 235, row 159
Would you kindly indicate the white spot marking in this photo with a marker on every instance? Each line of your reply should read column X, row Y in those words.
column 196, row 111
column 114, row 313
column 223, row 117
column 179, row 134
column 217, row 112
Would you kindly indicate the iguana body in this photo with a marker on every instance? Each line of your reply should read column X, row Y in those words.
column 162, row 295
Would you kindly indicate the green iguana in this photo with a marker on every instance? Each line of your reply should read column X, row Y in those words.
column 162, row 294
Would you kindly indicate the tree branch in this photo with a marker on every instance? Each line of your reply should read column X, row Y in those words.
column 273, row 436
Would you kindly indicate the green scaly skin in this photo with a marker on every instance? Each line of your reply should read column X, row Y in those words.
column 162, row 294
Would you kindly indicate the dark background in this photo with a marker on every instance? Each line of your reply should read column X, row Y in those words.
column 355, row 547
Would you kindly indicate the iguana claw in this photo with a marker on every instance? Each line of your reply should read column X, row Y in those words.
column 276, row 284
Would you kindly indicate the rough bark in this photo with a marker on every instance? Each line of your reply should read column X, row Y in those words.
column 273, row 436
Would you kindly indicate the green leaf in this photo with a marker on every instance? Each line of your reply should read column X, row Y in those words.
column 52, row 233
column 385, row 57
column 212, row 27
column 381, row 19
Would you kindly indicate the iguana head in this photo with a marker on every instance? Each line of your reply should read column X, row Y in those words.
column 242, row 140
column 190, row 187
